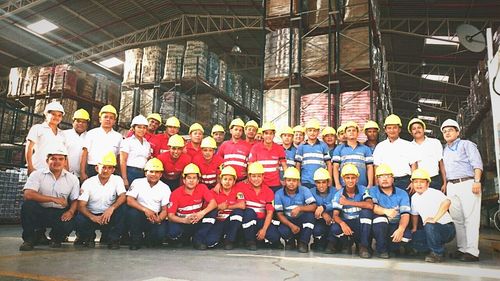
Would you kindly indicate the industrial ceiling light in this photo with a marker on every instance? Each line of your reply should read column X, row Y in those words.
column 42, row 26
column 419, row 109
column 236, row 48
column 111, row 62
column 427, row 118
column 442, row 40
column 440, row 78
column 430, row 101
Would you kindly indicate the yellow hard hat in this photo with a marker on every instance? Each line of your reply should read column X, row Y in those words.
column 292, row 173
column 268, row 126
column 260, row 131
column 217, row 128
column 173, row 122
column 255, row 168
column 393, row 119
column 109, row 159
column 341, row 129
column 109, row 109
column 237, row 122
column 371, row 125
column 321, row 174
column 195, row 127
column 299, row 128
column 351, row 124
column 228, row 170
column 328, row 131
column 175, row 141
column 349, row 169
column 208, row 142
column 251, row 123
column 154, row 165
column 286, row 130
column 154, row 116
column 420, row 174
column 413, row 121
column 81, row 114
column 313, row 124
column 191, row 169
column 383, row 169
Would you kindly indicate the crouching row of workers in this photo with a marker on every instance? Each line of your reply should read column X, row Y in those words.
column 207, row 218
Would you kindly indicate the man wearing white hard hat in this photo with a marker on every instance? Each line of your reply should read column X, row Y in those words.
column 41, row 136
column 464, row 168
column 135, row 151
column 75, row 137
column 49, row 200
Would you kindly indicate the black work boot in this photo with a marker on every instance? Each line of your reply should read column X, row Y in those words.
column 303, row 247
column 26, row 246
column 331, row 248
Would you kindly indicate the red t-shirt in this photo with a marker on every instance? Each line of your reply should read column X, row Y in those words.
column 261, row 203
column 235, row 154
column 235, row 195
column 173, row 168
column 271, row 159
column 210, row 170
column 193, row 152
column 159, row 144
column 183, row 204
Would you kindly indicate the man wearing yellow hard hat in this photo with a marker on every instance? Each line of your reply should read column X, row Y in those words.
column 235, row 151
column 75, row 138
column 251, row 128
column 391, row 209
column 99, row 141
column 154, row 122
column 218, row 133
column 329, row 136
column 192, row 210
column 208, row 162
column 323, row 194
column 174, row 161
column 299, row 134
column 195, row 137
column 371, row 130
column 147, row 199
column 101, row 205
column 432, row 207
column 352, row 213
column 399, row 154
column 159, row 142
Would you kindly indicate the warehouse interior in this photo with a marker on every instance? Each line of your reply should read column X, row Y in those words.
column 210, row 61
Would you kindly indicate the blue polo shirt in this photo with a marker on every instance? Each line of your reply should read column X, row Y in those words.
column 290, row 158
column 350, row 212
column 398, row 200
column 284, row 202
column 360, row 156
column 311, row 158
column 324, row 200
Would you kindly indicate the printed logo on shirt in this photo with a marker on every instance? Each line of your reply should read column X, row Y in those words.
column 240, row 195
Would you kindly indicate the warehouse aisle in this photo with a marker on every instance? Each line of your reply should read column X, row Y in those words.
column 186, row 264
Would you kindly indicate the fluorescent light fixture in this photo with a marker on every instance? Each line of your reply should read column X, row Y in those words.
column 439, row 40
column 427, row 118
column 111, row 62
column 42, row 27
column 430, row 101
column 440, row 78
column 429, row 132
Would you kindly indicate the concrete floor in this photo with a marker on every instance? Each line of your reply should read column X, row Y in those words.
column 100, row 263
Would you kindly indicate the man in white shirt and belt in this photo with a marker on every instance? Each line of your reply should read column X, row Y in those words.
column 431, row 154
column 75, row 137
column 397, row 153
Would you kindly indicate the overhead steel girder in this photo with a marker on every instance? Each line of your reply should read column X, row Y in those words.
column 426, row 106
column 449, row 101
column 15, row 6
column 415, row 70
column 182, row 27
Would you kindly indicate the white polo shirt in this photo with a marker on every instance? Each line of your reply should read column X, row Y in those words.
column 44, row 182
column 98, row 143
column 399, row 155
column 151, row 197
column 138, row 153
column 74, row 144
column 43, row 137
column 427, row 205
column 100, row 197
column 430, row 152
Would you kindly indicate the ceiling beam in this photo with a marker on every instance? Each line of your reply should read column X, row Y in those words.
column 425, row 105
column 13, row 7
column 427, row 27
column 420, row 78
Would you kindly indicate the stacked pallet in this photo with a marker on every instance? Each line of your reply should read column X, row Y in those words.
column 16, row 78
column 101, row 88
column 355, row 48
column 70, row 106
column 30, row 80
column 317, row 13
column 126, row 108
column 173, row 62
column 11, row 195
column 44, row 78
column 277, row 54
column 222, row 75
column 87, row 86
column 315, row 55
column 316, row 106
column 275, row 107
column 235, row 86
column 132, row 66
column 255, row 101
column 213, row 69
column 113, row 94
column 195, row 59
column 65, row 80
column 146, row 103
column 356, row 10
column 168, row 103
column 356, row 106
column 151, row 64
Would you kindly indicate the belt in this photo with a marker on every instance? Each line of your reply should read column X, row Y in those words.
column 454, row 181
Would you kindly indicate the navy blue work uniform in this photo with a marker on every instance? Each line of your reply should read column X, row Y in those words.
column 321, row 229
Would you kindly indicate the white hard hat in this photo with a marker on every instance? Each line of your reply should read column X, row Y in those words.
column 54, row 106
column 57, row 149
column 139, row 120
column 450, row 123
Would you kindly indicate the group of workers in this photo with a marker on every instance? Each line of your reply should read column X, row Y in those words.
column 258, row 188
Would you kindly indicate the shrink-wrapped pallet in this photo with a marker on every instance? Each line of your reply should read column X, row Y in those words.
column 356, row 106
column 94, row 118
column 44, row 78
column 235, row 86
column 276, row 107
column 173, row 62
column 88, row 86
column 213, row 69
column 247, row 94
column 132, row 66
column 126, row 109
column 317, row 13
column 276, row 8
column 30, row 80
column 316, row 106
column 354, row 49
column 146, row 102
column 65, row 80
column 168, row 102
column 206, row 109
column 101, row 88
column 255, row 102
column 277, row 53
column 7, row 126
column 356, row 10
column 195, row 59
column 151, row 64
column 315, row 55
column 70, row 106
column 113, row 94
column 16, row 78
column 222, row 75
